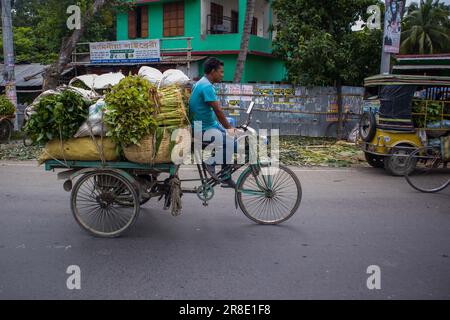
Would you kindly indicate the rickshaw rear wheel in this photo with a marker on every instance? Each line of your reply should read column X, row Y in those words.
column 397, row 163
column 374, row 160
column 98, row 206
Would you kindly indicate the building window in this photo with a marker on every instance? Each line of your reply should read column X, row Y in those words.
column 220, row 24
column 138, row 22
column 216, row 14
column 174, row 19
column 216, row 18
column 254, row 27
column 234, row 21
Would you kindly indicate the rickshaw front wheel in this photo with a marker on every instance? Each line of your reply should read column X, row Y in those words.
column 269, row 195
column 432, row 173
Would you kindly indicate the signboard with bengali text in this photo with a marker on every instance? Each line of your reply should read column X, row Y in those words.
column 135, row 51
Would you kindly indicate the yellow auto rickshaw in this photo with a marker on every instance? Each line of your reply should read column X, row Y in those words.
column 403, row 113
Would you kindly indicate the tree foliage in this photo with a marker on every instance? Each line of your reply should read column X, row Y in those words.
column 39, row 26
column 426, row 28
column 319, row 44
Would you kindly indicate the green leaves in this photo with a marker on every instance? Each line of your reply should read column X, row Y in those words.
column 40, row 26
column 426, row 29
column 57, row 116
column 6, row 106
column 318, row 43
column 130, row 110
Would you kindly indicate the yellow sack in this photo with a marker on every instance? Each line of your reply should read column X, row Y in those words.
column 80, row 149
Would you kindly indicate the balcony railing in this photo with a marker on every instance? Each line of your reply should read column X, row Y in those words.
column 222, row 25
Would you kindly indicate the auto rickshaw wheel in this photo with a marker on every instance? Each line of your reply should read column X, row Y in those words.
column 6, row 129
column 374, row 160
column 397, row 163
column 367, row 126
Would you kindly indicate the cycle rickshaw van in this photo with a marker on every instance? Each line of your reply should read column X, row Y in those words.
column 402, row 113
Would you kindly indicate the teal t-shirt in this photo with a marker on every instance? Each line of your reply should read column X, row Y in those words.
column 199, row 109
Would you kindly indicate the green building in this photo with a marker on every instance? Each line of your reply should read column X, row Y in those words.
column 215, row 28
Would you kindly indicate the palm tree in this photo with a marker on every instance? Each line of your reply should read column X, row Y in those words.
column 426, row 29
column 240, row 63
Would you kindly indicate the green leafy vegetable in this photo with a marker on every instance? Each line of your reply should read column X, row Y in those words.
column 57, row 116
column 130, row 108
column 172, row 111
column 6, row 107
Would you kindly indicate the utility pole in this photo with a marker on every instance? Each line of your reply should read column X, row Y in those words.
column 9, row 78
column 385, row 61
column 385, row 66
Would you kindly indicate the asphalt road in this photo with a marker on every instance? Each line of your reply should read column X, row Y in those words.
column 349, row 219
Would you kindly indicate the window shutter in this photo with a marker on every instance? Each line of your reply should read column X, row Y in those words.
column 132, row 24
column 173, row 19
column 144, row 22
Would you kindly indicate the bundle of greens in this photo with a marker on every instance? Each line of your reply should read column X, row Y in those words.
column 6, row 107
column 130, row 110
column 172, row 111
column 57, row 116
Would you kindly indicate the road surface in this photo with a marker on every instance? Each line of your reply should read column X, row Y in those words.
column 349, row 220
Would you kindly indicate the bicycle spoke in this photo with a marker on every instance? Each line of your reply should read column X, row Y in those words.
column 275, row 204
column 95, row 203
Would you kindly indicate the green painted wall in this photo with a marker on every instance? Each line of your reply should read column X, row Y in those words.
column 267, row 69
column 122, row 26
column 258, row 69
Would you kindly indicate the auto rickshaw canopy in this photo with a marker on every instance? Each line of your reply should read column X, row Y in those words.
column 399, row 79
column 396, row 92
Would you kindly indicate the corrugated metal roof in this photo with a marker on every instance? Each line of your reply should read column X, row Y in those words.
column 27, row 75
